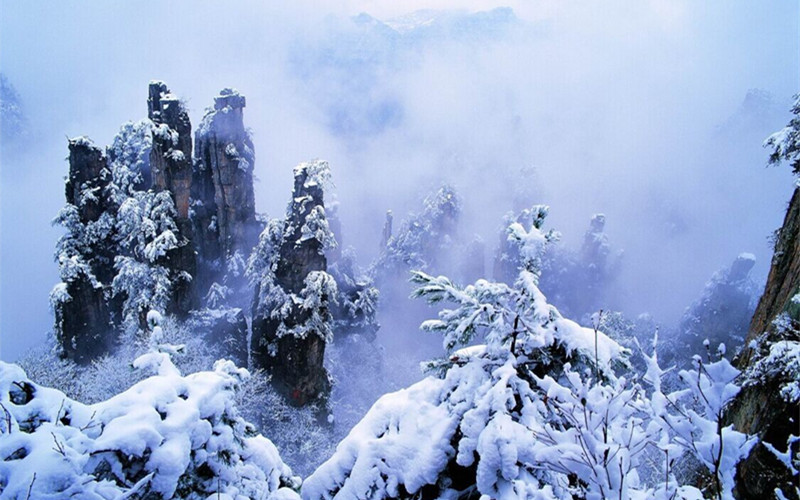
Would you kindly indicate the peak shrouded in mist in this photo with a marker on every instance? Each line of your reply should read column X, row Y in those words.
column 642, row 112
column 466, row 147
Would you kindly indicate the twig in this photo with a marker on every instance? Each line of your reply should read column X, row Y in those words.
column 58, row 413
column 91, row 423
column 596, row 325
column 59, row 447
column 514, row 334
column 30, row 487
column 8, row 417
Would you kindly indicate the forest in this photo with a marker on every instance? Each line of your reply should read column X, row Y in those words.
column 391, row 334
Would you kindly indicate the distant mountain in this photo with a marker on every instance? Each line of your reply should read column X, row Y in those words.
column 758, row 114
column 349, row 71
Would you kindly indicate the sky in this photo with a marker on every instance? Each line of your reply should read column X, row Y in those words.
column 642, row 110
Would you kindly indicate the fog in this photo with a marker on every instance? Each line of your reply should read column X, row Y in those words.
column 639, row 110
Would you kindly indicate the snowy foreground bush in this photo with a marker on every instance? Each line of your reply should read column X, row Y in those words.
column 168, row 436
column 533, row 410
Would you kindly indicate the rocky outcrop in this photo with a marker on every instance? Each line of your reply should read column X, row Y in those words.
column 171, row 156
column 783, row 282
column 425, row 241
column 720, row 316
column 171, row 170
column 386, row 234
column 292, row 322
column 579, row 282
column 88, row 178
column 85, row 255
column 223, row 202
column 763, row 407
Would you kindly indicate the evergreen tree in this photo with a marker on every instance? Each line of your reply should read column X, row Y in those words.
column 785, row 143
column 527, row 404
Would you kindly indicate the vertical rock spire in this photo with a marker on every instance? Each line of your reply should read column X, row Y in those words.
column 292, row 320
column 223, row 202
column 171, row 156
column 171, row 170
column 85, row 256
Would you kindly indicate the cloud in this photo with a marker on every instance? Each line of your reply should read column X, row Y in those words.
column 616, row 105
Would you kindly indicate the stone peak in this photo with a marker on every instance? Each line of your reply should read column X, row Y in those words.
column 229, row 97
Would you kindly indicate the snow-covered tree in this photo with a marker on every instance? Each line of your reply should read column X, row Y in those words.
column 527, row 404
column 509, row 260
column 147, row 232
column 129, row 157
column 356, row 307
column 784, row 144
column 168, row 436
column 292, row 319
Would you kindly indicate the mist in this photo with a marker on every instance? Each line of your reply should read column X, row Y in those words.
column 642, row 111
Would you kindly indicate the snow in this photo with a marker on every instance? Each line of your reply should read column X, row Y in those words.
column 315, row 173
column 577, row 338
column 176, row 155
column 781, row 362
column 315, row 227
column 164, row 433
column 159, row 247
column 319, row 289
column 519, row 435
column 383, row 452
column 82, row 141
column 59, row 294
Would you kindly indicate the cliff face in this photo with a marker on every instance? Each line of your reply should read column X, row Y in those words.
column 171, row 170
column 762, row 407
column 784, row 275
column 291, row 312
column 83, row 317
column 223, row 202
column 171, row 156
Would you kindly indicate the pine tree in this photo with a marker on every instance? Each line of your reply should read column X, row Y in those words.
column 527, row 404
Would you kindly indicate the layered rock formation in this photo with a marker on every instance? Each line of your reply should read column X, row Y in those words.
column 223, row 203
column 171, row 170
column 769, row 402
column 291, row 311
column 128, row 226
column 85, row 255
column 763, row 407
column 171, row 156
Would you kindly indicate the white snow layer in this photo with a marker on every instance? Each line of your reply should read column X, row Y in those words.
column 170, row 435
